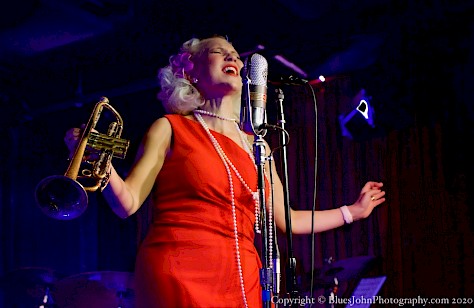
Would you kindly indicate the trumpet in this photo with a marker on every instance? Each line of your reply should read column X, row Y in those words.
column 64, row 197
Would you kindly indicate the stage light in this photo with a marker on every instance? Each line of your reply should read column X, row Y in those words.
column 366, row 111
column 359, row 123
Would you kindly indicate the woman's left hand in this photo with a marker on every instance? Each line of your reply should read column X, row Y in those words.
column 370, row 196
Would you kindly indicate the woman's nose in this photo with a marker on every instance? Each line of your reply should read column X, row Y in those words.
column 231, row 57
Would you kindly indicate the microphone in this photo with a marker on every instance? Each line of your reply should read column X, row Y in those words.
column 254, row 95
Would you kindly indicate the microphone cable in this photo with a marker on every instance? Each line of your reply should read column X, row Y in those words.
column 313, row 209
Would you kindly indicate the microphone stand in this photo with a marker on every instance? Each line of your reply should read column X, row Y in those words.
column 266, row 273
column 291, row 260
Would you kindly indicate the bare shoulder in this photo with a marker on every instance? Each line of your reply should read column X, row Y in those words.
column 161, row 127
column 159, row 132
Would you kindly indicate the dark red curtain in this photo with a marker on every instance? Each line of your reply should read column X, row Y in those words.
column 421, row 237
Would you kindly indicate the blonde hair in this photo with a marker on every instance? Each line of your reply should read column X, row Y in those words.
column 177, row 93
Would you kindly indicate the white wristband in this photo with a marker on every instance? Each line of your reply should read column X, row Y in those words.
column 346, row 214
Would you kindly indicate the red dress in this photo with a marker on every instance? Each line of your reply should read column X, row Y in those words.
column 188, row 258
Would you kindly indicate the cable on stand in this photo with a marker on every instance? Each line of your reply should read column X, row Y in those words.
column 291, row 283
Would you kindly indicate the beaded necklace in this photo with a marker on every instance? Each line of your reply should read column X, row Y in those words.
column 227, row 161
column 214, row 115
column 228, row 166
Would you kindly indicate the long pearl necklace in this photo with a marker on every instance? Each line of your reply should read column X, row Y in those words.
column 221, row 153
column 214, row 115
column 228, row 166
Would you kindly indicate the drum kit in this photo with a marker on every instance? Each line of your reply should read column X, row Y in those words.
column 45, row 288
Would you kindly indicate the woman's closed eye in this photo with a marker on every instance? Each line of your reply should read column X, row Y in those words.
column 224, row 52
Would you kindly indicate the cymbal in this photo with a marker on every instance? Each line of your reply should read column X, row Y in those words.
column 343, row 270
column 96, row 289
column 27, row 286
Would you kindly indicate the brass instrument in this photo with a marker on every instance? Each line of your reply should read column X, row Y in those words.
column 64, row 197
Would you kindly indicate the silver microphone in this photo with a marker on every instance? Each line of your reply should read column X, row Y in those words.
column 253, row 114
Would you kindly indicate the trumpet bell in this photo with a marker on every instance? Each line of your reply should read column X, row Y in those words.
column 61, row 197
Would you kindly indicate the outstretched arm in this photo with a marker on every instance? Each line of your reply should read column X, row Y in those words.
column 370, row 196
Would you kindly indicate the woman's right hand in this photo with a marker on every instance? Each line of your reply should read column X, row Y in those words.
column 71, row 139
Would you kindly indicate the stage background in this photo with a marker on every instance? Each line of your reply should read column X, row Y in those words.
column 420, row 86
